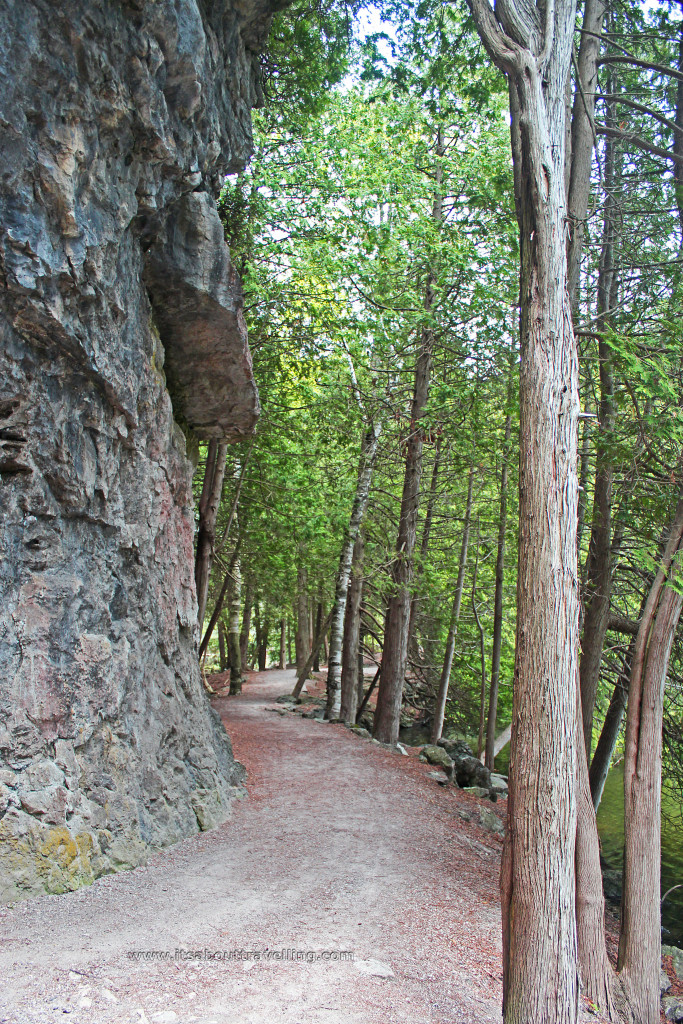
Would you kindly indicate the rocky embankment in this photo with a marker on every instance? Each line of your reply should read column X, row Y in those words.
column 123, row 341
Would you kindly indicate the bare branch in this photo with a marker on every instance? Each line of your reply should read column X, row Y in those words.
column 639, row 143
column 661, row 69
column 621, row 99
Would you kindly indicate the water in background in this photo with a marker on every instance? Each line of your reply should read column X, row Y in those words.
column 611, row 829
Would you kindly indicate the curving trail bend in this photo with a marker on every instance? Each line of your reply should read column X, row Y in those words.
column 341, row 845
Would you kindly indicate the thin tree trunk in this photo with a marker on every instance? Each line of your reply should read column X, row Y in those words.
column 351, row 641
column 283, row 644
column 640, row 935
column 257, row 630
column 609, row 734
column 502, row 741
column 360, row 674
column 584, row 467
column 424, row 549
column 208, row 511
column 498, row 594
column 318, row 623
column 235, row 501
column 582, row 141
column 597, row 975
column 678, row 135
column 317, row 644
column 602, row 758
column 221, row 599
column 262, row 642
column 599, row 576
column 482, row 657
column 602, row 986
column 221, row 646
column 533, row 45
column 302, row 625
column 368, row 695
column 442, row 695
column 234, row 630
column 246, row 624
column 360, row 504
column 395, row 649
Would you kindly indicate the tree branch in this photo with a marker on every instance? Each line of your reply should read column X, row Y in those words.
column 621, row 99
column 621, row 624
column 502, row 50
column 661, row 69
column 639, row 143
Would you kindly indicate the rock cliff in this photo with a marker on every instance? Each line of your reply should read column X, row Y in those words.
column 118, row 121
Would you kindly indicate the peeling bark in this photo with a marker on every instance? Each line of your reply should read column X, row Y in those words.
column 532, row 45
column 640, row 936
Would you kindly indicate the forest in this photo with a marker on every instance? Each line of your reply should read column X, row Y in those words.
column 468, row 466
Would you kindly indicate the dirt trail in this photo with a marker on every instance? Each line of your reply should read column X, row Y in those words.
column 341, row 845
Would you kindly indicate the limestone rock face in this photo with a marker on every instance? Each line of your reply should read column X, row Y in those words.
column 197, row 300
column 118, row 120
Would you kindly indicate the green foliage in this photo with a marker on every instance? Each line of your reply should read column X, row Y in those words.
column 333, row 230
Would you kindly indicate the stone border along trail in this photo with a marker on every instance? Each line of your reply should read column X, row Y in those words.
column 340, row 845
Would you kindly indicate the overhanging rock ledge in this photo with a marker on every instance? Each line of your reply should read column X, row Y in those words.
column 118, row 121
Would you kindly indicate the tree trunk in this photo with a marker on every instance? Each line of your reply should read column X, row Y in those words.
column 582, row 141
column 424, row 550
column 317, row 644
column 397, row 620
column 257, row 631
column 221, row 598
column 246, row 625
column 597, row 975
column 282, row 663
column 640, row 935
column 234, row 631
column 208, row 511
column 368, row 694
column 602, row 758
column 262, row 641
column 584, row 463
column 302, row 625
column 532, row 45
column 360, row 504
column 482, row 656
column 360, row 673
column 599, row 575
column 318, row 623
column 351, row 641
column 442, row 695
column 498, row 594
column 678, row 135
column 223, row 661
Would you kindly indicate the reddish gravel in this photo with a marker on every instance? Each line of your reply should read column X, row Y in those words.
column 340, row 845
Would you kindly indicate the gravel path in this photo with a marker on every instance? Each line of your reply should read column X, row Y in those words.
column 341, row 845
